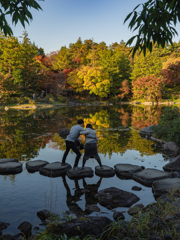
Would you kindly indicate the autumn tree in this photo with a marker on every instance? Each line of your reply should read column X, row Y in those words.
column 148, row 87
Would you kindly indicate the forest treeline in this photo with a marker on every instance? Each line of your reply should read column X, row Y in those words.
column 88, row 69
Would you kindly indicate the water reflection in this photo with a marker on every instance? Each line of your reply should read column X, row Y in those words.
column 32, row 135
column 89, row 190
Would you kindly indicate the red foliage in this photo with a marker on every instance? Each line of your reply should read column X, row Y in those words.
column 172, row 74
column 148, row 87
column 67, row 71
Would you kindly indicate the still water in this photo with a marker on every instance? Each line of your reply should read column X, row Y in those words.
column 33, row 135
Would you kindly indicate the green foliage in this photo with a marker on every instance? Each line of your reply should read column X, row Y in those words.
column 168, row 128
column 148, row 65
column 17, row 60
column 154, row 24
column 18, row 10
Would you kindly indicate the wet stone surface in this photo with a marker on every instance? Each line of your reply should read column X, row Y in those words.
column 10, row 168
column 106, row 171
column 80, row 173
column 126, row 171
column 163, row 186
column 33, row 166
column 6, row 160
column 114, row 197
column 149, row 175
column 54, row 169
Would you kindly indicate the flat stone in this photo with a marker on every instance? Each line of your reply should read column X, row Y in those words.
column 114, row 197
column 106, row 171
column 163, row 186
column 34, row 166
column 127, row 170
column 10, row 168
column 54, row 169
column 80, row 173
column 6, row 160
column 173, row 165
column 149, row 175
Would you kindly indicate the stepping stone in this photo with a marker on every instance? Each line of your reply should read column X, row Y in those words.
column 54, row 169
column 114, row 197
column 126, row 171
column 10, row 168
column 105, row 171
column 34, row 166
column 6, row 160
column 80, row 173
column 149, row 175
column 161, row 187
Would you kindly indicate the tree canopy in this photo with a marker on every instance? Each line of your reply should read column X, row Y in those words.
column 18, row 10
column 155, row 24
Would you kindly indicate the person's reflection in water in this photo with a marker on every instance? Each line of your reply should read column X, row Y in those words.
column 71, row 200
column 92, row 190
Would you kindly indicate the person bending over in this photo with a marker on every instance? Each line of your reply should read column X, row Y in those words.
column 91, row 146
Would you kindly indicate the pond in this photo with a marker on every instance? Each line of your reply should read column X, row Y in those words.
column 33, row 135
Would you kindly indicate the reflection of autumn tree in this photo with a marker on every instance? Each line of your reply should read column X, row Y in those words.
column 144, row 117
column 140, row 144
column 26, row 134
column 124, row 117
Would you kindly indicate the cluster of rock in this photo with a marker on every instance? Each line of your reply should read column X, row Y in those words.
column 25, row 227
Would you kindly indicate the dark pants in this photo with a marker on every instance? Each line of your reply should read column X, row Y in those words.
column 73, row 146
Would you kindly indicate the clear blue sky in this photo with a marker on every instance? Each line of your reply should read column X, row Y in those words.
column 63, row 21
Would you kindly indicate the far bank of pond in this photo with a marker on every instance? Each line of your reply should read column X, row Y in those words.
column 33, row 134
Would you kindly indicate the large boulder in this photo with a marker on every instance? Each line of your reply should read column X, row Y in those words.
column 80, row 173
column 114, row 197
column 6, row 160
column 173, row 165
column 63, row 133
column 149, row 175
column 34, row 166
column 163, row 186
column 127, row 170
column 54, row 169
column 106, row 171
column 93, row 226
column 10, row 168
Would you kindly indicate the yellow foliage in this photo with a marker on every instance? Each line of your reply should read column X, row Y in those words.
column 170, row 61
